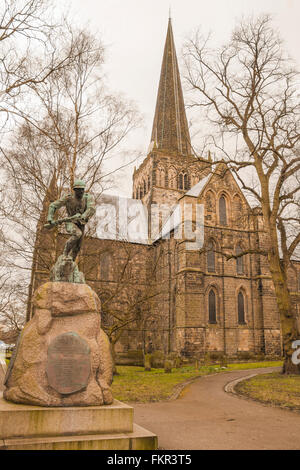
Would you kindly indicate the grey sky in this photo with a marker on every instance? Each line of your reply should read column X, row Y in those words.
column 135, row 30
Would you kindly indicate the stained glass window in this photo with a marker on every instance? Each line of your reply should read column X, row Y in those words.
column 222, row 211
column 212, row 307
column 241, row 308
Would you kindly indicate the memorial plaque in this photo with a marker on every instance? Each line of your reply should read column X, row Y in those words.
column 68, row 363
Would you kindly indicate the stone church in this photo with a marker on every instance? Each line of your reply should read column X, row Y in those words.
column 159, row 295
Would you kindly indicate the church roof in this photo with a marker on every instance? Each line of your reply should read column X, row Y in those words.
column 170, row 128
column 198, row 187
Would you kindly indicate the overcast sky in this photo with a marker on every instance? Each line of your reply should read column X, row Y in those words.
column 135, row 31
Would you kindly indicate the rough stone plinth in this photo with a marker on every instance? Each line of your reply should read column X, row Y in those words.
column 108, row 427
column 71, row 310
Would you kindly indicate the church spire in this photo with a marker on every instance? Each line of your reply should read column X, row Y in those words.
column 170, row 129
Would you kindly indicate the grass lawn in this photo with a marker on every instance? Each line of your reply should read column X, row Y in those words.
column 275, row 389
column 134, row 384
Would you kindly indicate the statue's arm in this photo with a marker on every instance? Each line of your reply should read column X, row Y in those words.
column 54, row 206
column 90, row 208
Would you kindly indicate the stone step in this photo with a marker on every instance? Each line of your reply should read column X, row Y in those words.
column 138, row 439
column 18, row 421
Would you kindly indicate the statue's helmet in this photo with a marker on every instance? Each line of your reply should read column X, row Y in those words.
column 79, row 184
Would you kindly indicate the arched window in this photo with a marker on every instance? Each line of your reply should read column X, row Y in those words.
column 239, row 260
column 211, row 259
column 212, row 307
column 141, row 192
column 180, row 183
column 222, row 211
column 145, row 188
column 186, row 181
column 183, row 182
column 149, row 182
column 241, row 308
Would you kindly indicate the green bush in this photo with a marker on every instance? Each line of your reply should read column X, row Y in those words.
column 168, row 366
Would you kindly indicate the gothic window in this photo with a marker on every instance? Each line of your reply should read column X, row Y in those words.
column 239, row 260
column 180, row 182
column 222, row 211
column 212, row 307
column 241, row 308
column 183, row 182
column 211, row 259
column 141, row 192
column 145, row 188
column 186, row 181
column 149, row 182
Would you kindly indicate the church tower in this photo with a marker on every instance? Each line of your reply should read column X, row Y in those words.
column 170, row 168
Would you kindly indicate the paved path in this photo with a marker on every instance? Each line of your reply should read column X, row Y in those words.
column 206, row 417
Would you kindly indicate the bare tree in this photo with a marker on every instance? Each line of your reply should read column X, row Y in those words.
column 248, row 90
column 27, row 52
column 67, row 126
column 128, row 288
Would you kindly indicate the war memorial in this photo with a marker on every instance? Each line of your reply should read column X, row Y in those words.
column 57, row 392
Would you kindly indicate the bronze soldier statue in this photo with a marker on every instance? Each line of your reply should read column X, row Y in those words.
column 80, row 207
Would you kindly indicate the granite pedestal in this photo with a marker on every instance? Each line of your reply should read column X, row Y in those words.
column 108, row 427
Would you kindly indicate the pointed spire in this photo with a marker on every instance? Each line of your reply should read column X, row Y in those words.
column 170, row 129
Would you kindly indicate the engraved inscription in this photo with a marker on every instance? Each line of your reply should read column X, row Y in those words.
column 68, row 363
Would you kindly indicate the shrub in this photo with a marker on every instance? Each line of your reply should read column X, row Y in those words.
column 168, row 366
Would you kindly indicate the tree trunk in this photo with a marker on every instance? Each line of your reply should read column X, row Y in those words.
column 289, row 328
column 113, row 354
